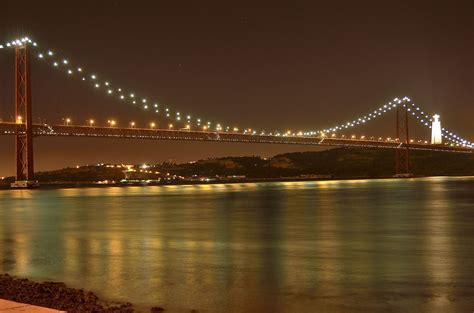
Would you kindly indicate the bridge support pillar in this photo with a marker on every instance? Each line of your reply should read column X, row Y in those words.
column 402, row 153
column 24, row 120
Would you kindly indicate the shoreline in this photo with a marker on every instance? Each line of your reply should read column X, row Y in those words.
column 54, row 185
column 57, row 296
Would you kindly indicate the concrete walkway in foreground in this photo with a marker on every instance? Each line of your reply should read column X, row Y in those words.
column 14, row 307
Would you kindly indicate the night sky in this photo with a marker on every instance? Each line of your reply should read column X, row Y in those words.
column 297, row 65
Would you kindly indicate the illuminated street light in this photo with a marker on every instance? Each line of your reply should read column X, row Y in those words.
column 111, row 123
column 91, row 122
column 152, row 125
column 19, row 120
column 132, row 124
column 170, row 126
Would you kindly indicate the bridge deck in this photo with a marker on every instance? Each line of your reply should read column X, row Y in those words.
column 166, row 134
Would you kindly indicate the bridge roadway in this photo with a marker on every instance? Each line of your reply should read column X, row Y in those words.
column 167, row 134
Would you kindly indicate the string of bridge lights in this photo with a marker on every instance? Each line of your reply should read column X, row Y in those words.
column 426, row 120
column 49, row 56
column 362, row 119
column 412, row 109
column 63, row 63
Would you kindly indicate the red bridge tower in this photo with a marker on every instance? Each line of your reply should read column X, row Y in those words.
column 402, row 153
column 24, row 120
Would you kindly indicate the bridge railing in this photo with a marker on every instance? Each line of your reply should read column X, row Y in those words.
column 190, row 135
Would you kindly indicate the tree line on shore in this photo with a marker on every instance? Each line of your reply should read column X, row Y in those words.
column 337, row 162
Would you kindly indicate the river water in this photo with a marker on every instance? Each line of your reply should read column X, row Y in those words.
column 336, row 246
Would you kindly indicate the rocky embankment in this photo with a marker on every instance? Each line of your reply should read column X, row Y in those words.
column 58, row 296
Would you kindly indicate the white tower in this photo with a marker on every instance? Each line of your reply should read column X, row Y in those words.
column 436, row 138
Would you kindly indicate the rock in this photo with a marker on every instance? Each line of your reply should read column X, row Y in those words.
column 56, row 296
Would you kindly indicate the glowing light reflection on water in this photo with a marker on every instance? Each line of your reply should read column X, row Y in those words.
column 341, row 246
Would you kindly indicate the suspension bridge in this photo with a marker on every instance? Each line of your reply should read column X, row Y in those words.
column 186, row 127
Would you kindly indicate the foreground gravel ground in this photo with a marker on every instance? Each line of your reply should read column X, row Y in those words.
column 58, row 296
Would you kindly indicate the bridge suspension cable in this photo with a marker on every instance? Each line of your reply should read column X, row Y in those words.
column 413, row 109
column 95, row 81
column 154, row 106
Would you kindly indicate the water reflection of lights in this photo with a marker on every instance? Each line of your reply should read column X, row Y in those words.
column 22, row 252
column 148, row 243
column 440, row 263
column 115, row 246
column 71, row 251
column 21, row 194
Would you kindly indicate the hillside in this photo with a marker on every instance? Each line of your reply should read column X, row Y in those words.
column 339, row 163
